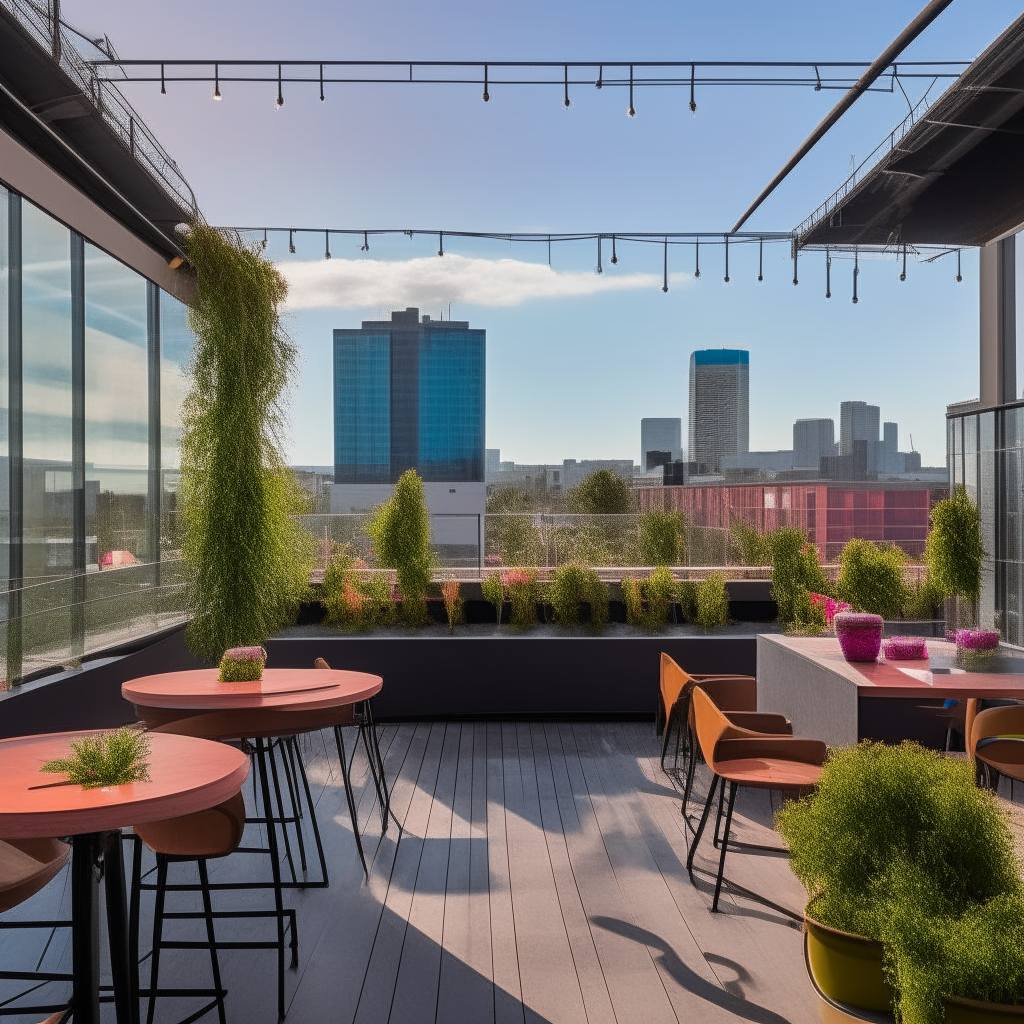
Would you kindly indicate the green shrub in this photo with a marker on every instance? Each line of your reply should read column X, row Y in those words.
column 493, row 592
column 795, row 572
column 954, row 552
column 633, row 598
column 354, row 597
column 871, row 578
column 110, row 759
column 573, row 584
column 809, row 619
column 246, row 560
column 601, row 493
column 754, row 546
column 923, row 598
column 712, row 602
column 686, row 595
column 400, row 530
column 649, row 600
column 454, row 606
column 524, row 594
column 661, row 538
column 898, row 844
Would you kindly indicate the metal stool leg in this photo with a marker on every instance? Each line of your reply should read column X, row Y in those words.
column 204, row 881
column 301, row 773
column 339, row 740
column 158, row 929
column 700, row 828
column 725, row 845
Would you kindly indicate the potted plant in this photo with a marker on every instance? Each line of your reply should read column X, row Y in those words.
column 954, row 554
column 914, row 894
column 573, row 585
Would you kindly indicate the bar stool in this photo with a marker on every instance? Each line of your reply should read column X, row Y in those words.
column 756, row 762
column 997, row 744
column 26, row 867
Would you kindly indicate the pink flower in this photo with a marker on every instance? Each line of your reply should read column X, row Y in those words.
column 977, row 639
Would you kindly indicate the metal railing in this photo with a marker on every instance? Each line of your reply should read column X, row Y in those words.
column 118, row 114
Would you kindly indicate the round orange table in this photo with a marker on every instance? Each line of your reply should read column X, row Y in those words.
column 186, row 775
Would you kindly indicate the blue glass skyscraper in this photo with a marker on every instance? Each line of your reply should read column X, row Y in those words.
column 409, row 394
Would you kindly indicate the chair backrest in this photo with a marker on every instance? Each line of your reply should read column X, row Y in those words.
column 731, row 693
column 26, row 865
column 997, row 734
column 674, row 681
column 215, row 832
column 710, row 725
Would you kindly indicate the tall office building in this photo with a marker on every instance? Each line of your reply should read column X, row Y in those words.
column 719, row 406
column 662, row 435
column 813, row 439
column 409, row 394
column 859, row 421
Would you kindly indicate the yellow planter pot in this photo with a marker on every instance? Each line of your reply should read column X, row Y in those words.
column 973, row 1011
column 847, row 969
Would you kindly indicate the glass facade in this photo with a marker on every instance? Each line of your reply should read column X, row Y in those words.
column 409, row 394
column 984, row 452
column 175, row 351
column 81, row 457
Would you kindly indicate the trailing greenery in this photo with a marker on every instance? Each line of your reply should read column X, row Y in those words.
column 601, row 493
column 898, row 844
column 454, row 606
column 712, row 602
column 400, row 530
column 524, row 594
column 109, row 759
column 247, row 561
column 953, row 551
column 871, row 578
column 572, row 585
column 661, row 538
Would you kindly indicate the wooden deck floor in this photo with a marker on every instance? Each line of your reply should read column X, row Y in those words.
column 539, row 876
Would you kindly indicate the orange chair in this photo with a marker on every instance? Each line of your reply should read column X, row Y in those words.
column 757, row 762
column 26, row 867
column 997, row 744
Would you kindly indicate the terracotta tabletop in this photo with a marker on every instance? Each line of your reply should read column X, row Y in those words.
column 917, row 679
column 200, row 690
column 186, row 775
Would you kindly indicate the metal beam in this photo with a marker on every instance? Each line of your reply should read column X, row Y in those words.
column 931, row 11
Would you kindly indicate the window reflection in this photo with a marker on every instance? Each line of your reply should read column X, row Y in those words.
column 176, row 341
column 116, row 413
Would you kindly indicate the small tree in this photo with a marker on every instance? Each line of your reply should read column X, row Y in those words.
column 400, row 530
column 953, row 551
column 661, row 538
column 602, row 494
column 871, row 578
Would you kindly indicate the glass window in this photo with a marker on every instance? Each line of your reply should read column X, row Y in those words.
column 116, row 413
column 5, row 503
column 176, row 344
column 362, row 407
column 46, row 376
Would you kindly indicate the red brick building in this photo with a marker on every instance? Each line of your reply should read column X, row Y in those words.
column 831, row 513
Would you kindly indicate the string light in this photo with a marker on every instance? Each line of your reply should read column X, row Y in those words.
column 600, row 269
column 615, row 258
column 631, row 112
column 828, row 274
column 327, row 245
column 726, row 259
column 216, row 83
column 291, row 241
column 486, row 96
column 664, row 286
column 760, row 259
column 279, row 102
column 856, row 274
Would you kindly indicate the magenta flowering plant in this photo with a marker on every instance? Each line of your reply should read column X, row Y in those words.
column 977, row 639
column 831, row 605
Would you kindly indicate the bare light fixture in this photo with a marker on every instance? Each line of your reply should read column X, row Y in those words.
column 600, row 75
column 599, row 269
column 565, row 102
column 664, row 286
column 828, row 274
column 279, row 102
column 365, row 247
column 856, row 274
column 796, row 250
column 903, row 272
column 726, row 237
column 615, row 258
column 163, row 85
column 760, row 259
column 216, row 83
column 327, row 245
column 631, row 112
column 321, row 83
column 486, row 96
column 440, row 243
column 291, row 241
column 693, row 98
column 959, row 277
column 696, row 256
column 264, row 239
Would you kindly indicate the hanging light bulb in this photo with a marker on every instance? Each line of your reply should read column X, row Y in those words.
column 856, row 274
column 600, row 269
column 486, row 96
column 959, row 278
column 693, row 98
column 796, row 279
column 365, row 247
column 828, row 274
column 664, row 285
column 615, row 258
column 321, row 83
column 216, row 83
column 565, row 102
column 291, row 241
column 279, row 102
column 264, row 239
column 631, row 112
column 440, row 243
column 903, row 273
column 726, row 259
column 760, row 259
column 696, row 253
column 327, row 245
column 600, row 75
column 163, row 85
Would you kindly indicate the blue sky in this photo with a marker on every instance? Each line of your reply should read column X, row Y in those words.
column 571, row 371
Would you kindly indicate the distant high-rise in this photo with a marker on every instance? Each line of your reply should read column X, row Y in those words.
column 719, row 406
column 859, row 421
column 664, row 434
column 409, row 395
column 813, row 439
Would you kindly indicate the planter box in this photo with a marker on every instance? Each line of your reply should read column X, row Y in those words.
column 478, row 672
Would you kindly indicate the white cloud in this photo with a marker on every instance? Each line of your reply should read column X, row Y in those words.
column 434, row 281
